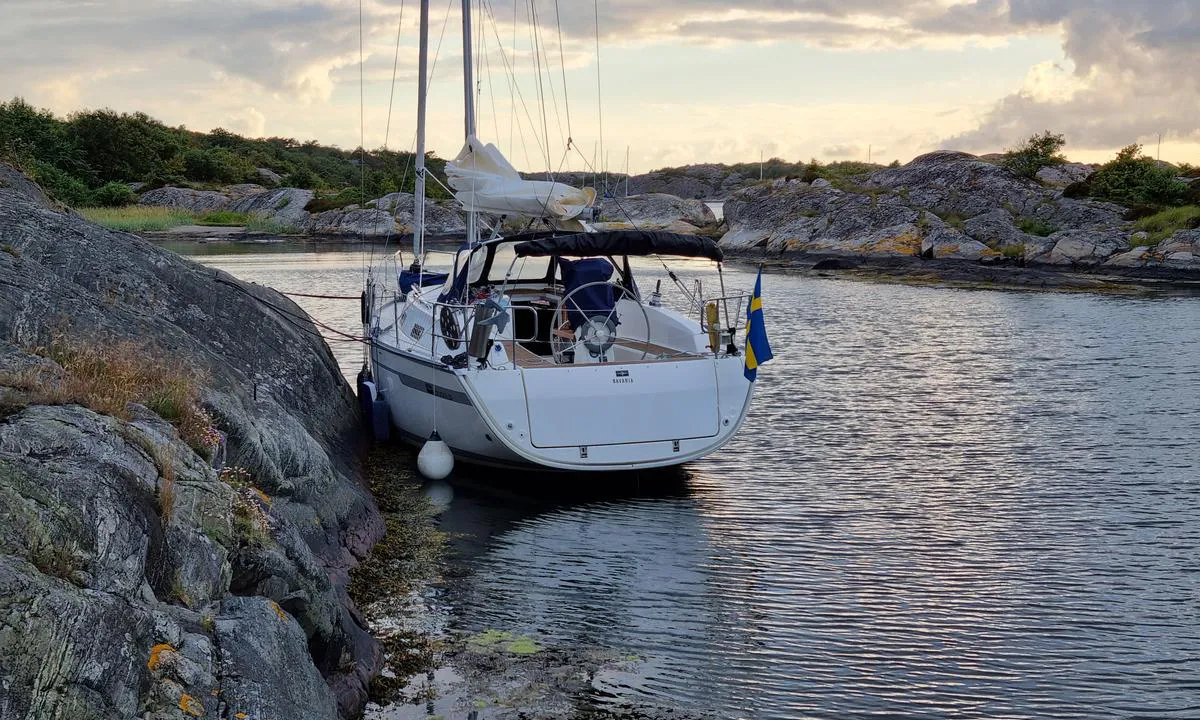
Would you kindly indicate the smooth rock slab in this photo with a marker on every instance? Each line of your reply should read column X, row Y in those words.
column 284, row 206
column 200, row 201
column 1081, row 247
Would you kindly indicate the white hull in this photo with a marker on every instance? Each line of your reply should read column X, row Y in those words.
column 582, row 418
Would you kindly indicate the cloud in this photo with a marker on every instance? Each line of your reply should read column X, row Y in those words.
column 1129, row 74
column 846, row 151
column 281, row 46
column 291, row 67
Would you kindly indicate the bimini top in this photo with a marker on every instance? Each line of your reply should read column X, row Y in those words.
column 621, row 242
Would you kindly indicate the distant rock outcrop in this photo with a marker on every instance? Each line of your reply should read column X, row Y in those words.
column 285, row 206
column 352, row 221
column 441, row 218
column 198, row 201
column 656, row 211
column 129, row 585
column 947, row 205
column 1060, row 176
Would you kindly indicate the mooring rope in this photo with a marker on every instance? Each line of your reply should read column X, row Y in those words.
column 355, row 298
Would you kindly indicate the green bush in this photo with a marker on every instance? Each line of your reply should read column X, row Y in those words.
column 113, row 194
column 28, row 134
column 1135, row 179
column 61, row 186
column 1039, row 151
column 302, row 178
column 122, row 147
column 217, row 165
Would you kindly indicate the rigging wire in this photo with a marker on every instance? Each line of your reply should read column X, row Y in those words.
column 599, row 93
column 387, row 132
column 408, row 162
column 549, row 74
column 537, row 56
column 395, row 67
column 362, row 123
column 563, row 63
column 510, row 69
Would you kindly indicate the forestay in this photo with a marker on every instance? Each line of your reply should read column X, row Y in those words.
column 485, row 182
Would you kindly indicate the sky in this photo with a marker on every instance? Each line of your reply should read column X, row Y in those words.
column 672, row 82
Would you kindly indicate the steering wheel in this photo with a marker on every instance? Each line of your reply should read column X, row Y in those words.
column 451, row 329
column 598, row 333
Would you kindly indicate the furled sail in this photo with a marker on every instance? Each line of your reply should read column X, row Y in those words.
column 484, row 181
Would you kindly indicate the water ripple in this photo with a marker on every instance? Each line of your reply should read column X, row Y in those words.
column 945, row 502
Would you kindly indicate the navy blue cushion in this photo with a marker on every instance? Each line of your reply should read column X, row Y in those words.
column 598, row 300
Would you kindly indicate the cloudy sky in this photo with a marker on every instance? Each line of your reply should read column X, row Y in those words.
column 682, row 81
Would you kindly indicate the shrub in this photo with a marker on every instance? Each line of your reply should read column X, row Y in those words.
column 1037, row 152
column 123, row 147
column 1166, row 223
column 67, row 190
column 217, row 165
column 302, row 178
column 1135, row 179
column 812, row 171
column 113, row 194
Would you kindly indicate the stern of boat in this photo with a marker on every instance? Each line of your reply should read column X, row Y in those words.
column 613, row 416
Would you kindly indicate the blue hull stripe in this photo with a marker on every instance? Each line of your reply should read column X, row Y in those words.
column 428, row 388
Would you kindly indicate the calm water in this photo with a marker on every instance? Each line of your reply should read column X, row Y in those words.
column 944, row 503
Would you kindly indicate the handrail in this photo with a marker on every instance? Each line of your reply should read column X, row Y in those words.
column 465, row 316
column 734, row 322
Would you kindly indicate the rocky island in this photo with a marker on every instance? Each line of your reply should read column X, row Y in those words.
column 952, row 206
column 947, row 213
column 179, row 498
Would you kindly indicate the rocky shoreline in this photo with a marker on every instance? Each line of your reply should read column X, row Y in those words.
column 949, row 206
column 945, row 213
column 159, row 559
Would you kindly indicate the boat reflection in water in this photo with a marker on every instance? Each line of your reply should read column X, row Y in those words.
column 628, row 573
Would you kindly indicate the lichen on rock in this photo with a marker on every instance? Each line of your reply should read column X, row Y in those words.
column 127, row 588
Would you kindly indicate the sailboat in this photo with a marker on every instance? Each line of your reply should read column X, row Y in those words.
column 540, row 350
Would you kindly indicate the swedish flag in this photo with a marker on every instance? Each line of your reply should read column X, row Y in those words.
column 758, row 349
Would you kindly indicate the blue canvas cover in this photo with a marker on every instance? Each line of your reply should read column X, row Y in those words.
column 410, row 280
column 598, row 300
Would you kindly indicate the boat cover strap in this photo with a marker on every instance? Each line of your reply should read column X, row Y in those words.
column 621, row 242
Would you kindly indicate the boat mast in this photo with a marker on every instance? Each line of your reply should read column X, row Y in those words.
column 422, row 93
column 469, row 100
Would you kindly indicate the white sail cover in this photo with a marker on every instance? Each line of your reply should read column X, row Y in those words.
column 484, row 181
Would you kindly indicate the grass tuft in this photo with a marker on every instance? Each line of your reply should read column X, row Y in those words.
column 1013, row 251
column 1163, row 225
column 224, row 218
column 110, row 377
column 1036, row 226
column 139, row 218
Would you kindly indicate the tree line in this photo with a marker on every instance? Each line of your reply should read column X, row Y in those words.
column 90, row 158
